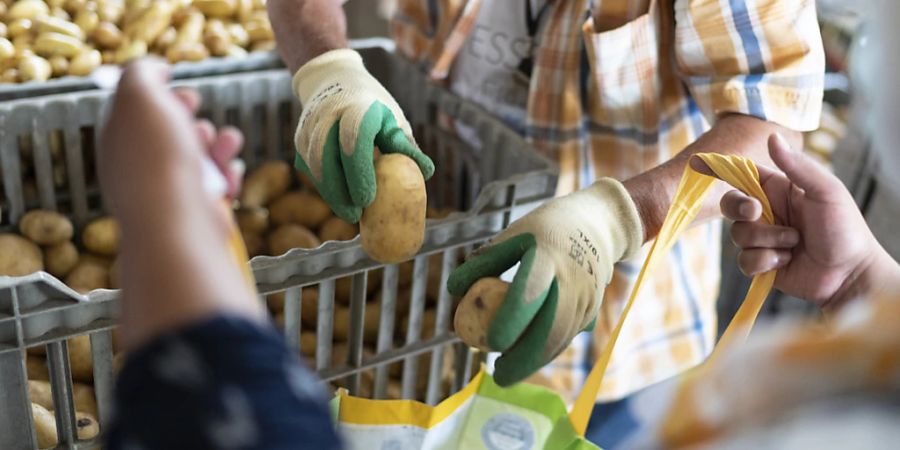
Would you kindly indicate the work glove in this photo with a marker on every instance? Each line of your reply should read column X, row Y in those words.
column 567, row 249
column 346, row 113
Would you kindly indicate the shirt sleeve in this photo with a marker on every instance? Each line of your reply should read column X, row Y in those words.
column 762, row 58
column 226, row 383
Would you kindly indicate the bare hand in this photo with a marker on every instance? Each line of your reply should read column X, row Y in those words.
column 820, row 245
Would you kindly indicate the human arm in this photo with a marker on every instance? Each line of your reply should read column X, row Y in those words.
column 305, row 29
column 743, row 94
column 346, row 111
column 177, row 267
column 203, row 363
column 733, row 134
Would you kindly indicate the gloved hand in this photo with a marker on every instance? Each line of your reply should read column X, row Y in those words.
column 346, row 112
column 567, row 249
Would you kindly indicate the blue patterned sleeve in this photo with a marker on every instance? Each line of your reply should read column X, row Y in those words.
column 225, row 383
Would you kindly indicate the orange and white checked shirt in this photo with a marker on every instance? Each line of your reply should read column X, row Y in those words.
column 620, row 97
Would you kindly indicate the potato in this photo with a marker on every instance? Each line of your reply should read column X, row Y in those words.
column 335, row 229
column 59, row 66
column 44, row 426
column 85, row 63
column 301, row 208
column 87, row 20
column 130, row 50
column 151, row 22
column 290, row 236
column 252, row 220
column 186, row 52
column 83, row 395
column 115, row 280
column 308, row 343
column 36, row 366
column 393, row 226
column 46, row 227
column 165, row 40
column 216, row 8
column 88, row 275
column 19, row 256
column 87, row 426
column 80, row 360
column 40, row 394
column 107, row 35
column 7, row 49
column 476, row 310
column 34, row 68
column 235, row 51
column 56, row 25
column 262, row 46
column 238, row 35
column 49, row 44
column 60, row 259
column 259, row 29
column 27, row 9
column 9, row 76
column 216, row 37
column 266, row 183
column 254, row 243
column 102, row 236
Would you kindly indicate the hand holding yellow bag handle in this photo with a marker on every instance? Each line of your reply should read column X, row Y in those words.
column 739, row 172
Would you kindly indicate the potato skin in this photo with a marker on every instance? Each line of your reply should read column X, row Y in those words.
column 290, row 236
column 87, row 425
column 44, row 426
column 89, row 274
column 335, row 229
column 19, row 256
column 46, row 227
column 269, row 181
column 61, row 258
column 302, row 208
column 40, row 393
column 102, row 236
column 393, row 226
column 476, row 310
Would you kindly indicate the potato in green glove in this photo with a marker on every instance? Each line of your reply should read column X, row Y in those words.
column 567, row 249
column 346, row 113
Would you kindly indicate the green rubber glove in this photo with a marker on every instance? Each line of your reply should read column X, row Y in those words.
column 567, row 249
column 346, row 113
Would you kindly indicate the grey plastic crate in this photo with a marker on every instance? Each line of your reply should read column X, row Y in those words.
column 210, row 66
column 39, row 310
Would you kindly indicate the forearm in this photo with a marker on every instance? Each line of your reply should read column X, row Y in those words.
column 735, row 134
column 177, row 268
column 305, row 29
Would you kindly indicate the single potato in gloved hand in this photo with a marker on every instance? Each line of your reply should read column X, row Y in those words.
column 476, row 311
column 393, row 226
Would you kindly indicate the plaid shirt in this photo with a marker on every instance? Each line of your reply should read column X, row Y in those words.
column 622, row 96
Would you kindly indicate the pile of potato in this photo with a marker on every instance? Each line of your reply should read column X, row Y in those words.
column 371, row 322
column 46, row 243
column 39, row 390
column 43, row 39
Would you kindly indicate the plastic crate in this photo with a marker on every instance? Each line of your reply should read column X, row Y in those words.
column 486, row 186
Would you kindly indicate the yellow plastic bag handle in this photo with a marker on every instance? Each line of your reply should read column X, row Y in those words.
column 735, row 170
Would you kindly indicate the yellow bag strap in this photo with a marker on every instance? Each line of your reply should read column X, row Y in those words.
column 736, row 171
